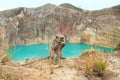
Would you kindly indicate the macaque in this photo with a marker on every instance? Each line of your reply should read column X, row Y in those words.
column 56, row 46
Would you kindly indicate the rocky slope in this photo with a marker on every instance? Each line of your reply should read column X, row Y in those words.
column 39, row 25
column 68, row 69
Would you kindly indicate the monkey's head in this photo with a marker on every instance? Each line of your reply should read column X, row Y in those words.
column 60, row 38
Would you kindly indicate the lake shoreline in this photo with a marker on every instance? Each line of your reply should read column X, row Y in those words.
column 42, row 50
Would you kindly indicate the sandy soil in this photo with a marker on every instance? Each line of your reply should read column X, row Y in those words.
column 67, row 69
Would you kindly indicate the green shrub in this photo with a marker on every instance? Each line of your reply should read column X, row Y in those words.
column 95, row 64
column 7, row 75
column 100, row 66
column 88, row 68
column 86, row 52
column 51, row 69
column 6, row 58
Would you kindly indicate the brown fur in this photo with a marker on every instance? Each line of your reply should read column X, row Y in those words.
column 56, row 46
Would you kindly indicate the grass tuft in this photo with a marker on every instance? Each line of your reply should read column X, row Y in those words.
column 95, row 65
column 7, row 75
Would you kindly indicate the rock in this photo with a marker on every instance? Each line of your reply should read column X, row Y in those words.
column 40, row 25
column 118, row 47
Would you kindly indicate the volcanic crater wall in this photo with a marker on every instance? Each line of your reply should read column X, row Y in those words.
column 39, row 25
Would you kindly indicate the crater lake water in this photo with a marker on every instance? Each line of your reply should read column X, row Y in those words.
column 34, row 51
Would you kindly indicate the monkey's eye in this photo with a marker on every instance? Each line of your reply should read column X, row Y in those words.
column 62, row 38
column 56, row 36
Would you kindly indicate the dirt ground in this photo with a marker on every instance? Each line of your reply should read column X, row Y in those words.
column 67, row 69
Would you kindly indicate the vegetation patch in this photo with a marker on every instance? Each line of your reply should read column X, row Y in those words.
column 88, row 51
column 7, row 75
column 95, row 65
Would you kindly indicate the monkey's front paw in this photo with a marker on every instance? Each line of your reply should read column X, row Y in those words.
column 62, row 42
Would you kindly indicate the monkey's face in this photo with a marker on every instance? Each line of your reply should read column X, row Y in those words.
column 60, row 38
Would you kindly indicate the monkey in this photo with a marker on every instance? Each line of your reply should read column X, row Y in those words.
column 56, row 46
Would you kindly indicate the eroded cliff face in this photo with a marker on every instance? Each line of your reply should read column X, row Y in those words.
column 39, row 25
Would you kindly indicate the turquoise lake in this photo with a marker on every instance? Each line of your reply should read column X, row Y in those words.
column 22, row 52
